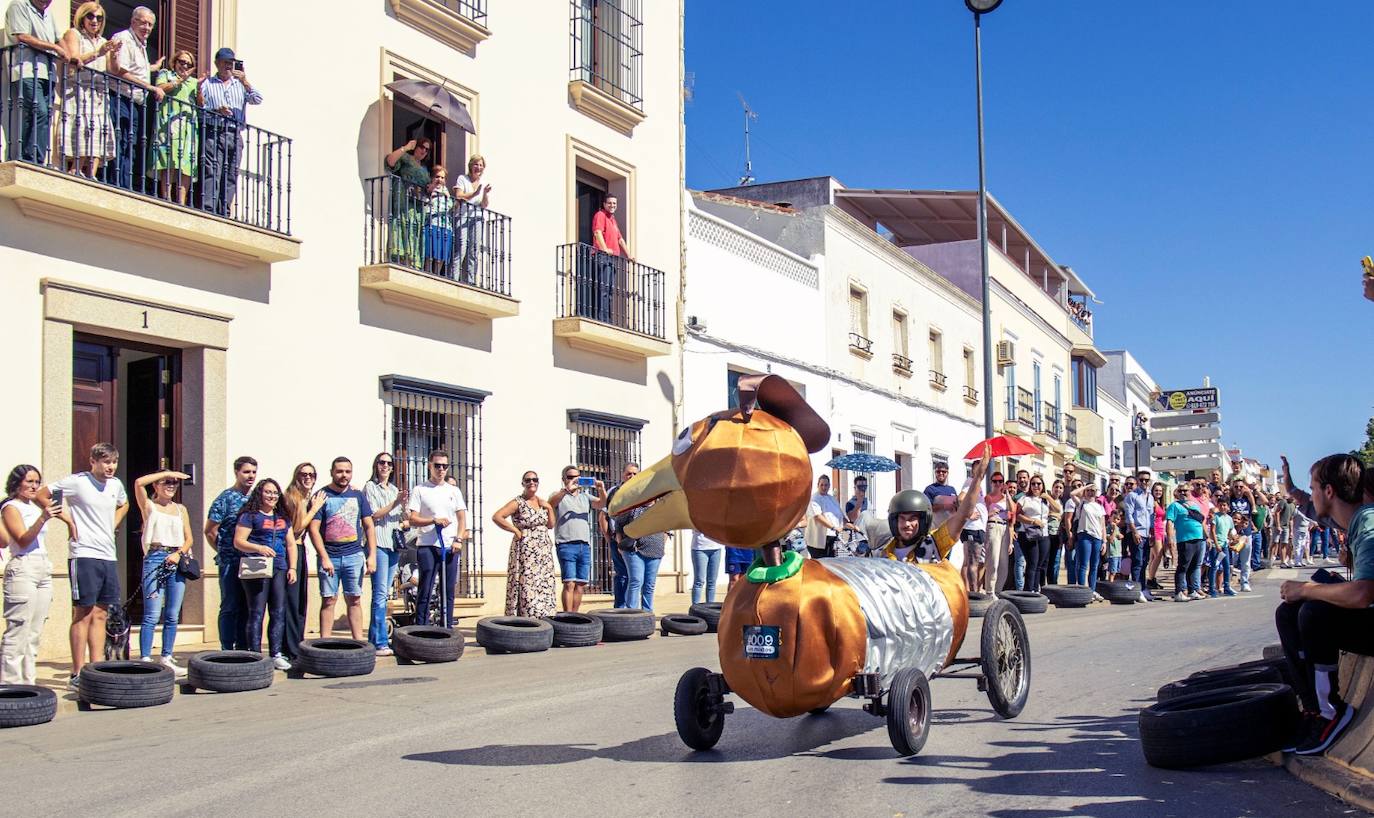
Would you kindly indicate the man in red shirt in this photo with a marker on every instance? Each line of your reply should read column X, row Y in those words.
column 610, row 247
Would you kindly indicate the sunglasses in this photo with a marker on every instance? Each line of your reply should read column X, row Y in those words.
column 383, row 462
column 169, row 483
column 99, row 18
column 440, row 466
column 530, row 480
column 307, row 475
column 998, row 480
column 1037, row 483
column 571, row 476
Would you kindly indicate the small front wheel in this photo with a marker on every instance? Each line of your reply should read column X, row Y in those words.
column 700, row 719
column 908, row 711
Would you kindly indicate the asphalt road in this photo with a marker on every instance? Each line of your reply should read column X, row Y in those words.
column 590, row 732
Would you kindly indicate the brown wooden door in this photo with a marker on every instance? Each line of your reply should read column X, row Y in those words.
column 94, row 388
column 150, row 436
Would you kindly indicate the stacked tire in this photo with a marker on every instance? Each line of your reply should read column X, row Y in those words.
column 514, row 634
column 124, row 684
column 228, row 671
column 708, row 612
column 574, row 630
column 1067, row 596
column 334, row 657
column 625, row 624
column 1027, row 602
column 427, row 643
column 25, row 705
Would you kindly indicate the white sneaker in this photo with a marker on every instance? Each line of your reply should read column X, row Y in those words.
column 74, row 683
column 1245, row 586
column 177, row 670
column 1098, row 597
column 280, row 662
column 385, row 652
column 1143, row 598
column 1181, row 597
column 1196, row 595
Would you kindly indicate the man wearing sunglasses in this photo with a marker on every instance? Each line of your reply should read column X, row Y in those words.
column 572, row 533
column 438, row 512
column 1138, row 508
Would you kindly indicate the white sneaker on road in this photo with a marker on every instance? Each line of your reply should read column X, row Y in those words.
column 1181, row 597
column 177, row 670
column 1245, row 586
column 280, row 662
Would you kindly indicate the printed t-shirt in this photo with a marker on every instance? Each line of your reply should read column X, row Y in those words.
column 341, row 521
column 269, row 530
column 224, row 512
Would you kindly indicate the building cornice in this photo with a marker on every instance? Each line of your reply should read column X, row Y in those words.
column 861, row 233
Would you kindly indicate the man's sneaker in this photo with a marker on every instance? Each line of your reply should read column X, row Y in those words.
column 1098, row 597
column 1245, row 586
column 169, row 662
column 385, row 652
column 1229, row 592
column 280, row 662
column 1309, row 724
column 1213, row 595
column 1330, row 730
column 1181, row 597
column 74, row 683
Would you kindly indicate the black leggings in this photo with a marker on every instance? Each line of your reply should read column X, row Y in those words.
column 265, row 595
column 297, row 602
column 1036, row 548
column 1313, row 635
column 428, row 558
column 1189, row 560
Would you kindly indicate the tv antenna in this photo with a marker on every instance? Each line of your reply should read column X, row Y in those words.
column 748, row 177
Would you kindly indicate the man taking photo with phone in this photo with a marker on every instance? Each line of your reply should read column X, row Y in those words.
column 226, row 94
column 572, row 533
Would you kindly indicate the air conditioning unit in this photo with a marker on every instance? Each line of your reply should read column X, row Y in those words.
column 696, row 324
column 1006, row 353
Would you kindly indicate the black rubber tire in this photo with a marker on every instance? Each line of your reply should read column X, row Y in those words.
column 1218, row 726
column 817, row 711
column 908, row 711
column 1027, row 602
column 126, row 684
column 709, row 612
column 1119, row 592
column 1274, row 651
column 25, row 705
column 1217, row 680
column 978, row 604
column 1005, row 655
column 335, row 657
column 575, row 630
column 229, row 671
column 427, row 643
column 698, row 728
column 514, row 634
column 1068, row 596
column 625, row 624
column 682, row 625
column 1280, row 664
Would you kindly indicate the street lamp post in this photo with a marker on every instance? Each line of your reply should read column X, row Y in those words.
column 979, row 8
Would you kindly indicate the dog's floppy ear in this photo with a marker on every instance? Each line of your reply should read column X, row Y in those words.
column 774, row 395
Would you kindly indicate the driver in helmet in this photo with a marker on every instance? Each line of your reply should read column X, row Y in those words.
column 909, row 518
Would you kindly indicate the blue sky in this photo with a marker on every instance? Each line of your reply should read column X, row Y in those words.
column 1205, row 166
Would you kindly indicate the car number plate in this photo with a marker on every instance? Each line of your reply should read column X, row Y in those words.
column 762, row 641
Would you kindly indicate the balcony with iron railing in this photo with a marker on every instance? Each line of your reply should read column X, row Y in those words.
column 971, row 395
column 609, row 303
column 83, row 145
column 1049, row 423
column 1071, row 430
column 607, row 61
column 860, row 345
column 425, row 250
column 460, row 24
column 938, row 380
column 901, row 364
column 1025, row 407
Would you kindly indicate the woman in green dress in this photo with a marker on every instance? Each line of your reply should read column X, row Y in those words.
column 175, row 152
column 409, row 183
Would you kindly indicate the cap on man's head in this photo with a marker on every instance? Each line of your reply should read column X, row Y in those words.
column 224, row 54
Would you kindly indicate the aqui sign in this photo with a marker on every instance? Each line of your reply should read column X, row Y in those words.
column 1187, row 400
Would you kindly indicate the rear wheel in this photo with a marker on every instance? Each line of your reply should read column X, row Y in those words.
column 908, row 711
column 1006, row 659
column 699, row 718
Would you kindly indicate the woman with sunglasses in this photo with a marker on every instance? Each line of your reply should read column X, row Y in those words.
column 388, row 512
column 409, row 169
column 1185, row 522
column 531, row 583
column 176, row 137
column 1033, row 512
column 302, row 504
column 90, row 137
column 1161, row 546
column 1001, row 512
column 264, row 529
column 167, row 538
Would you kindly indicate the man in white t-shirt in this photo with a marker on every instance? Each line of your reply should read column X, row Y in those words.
column 439, row 516
column 823, row 517
column 97, row 503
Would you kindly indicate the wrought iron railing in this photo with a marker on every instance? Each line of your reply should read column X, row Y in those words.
column 431, row 232
column 937, row 379
column 1071, row 430
column 1025, row 407
column 610, row 289
column 1050, row 419
column 970, row 394
column 110, row 131
column 601, row 451
column 474, row 10
column 607, row 38
column 901, row 363
column 859, row 343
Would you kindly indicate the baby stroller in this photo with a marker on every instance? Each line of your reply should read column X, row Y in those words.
column 117, row 622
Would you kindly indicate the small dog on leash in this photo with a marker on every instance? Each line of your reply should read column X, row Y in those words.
column 117, row 627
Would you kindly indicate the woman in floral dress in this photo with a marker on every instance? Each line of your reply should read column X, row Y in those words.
column 530, row 575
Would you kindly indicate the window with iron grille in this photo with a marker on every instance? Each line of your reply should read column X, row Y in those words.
column 607, row 47
column 602, row 444
column 423, row 416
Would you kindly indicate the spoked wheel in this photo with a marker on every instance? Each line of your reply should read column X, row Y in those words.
column 1006, row 659
column 700, row 718
column 908, row 711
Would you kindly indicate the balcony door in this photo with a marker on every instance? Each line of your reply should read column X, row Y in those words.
column 450, row 141
column 179, row 25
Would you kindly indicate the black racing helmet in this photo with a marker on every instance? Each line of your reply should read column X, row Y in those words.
column 909, row 502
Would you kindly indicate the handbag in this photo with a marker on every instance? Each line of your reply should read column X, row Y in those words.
column 255, row 566
column 189, row 567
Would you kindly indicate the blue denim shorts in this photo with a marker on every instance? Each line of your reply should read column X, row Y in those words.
column 348, row 571
column 1113, row 565
column 575, row 561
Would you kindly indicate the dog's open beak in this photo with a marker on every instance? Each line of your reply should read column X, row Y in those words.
column 657, row 484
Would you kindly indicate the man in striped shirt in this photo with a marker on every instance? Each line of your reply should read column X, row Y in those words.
column 227, row 94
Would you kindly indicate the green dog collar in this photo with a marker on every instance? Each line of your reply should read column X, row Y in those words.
column 758, row 572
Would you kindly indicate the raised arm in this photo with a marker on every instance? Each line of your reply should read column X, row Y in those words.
column 955, row 524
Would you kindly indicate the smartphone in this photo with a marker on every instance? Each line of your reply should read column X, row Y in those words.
column 238, row 65
column 586, row 482
column 57, row 496
column 189, row 469
column 1324, row 576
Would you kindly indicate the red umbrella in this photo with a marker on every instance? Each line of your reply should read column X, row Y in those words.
column 1002, row 446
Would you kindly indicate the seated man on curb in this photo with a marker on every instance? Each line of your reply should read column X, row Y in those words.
column 1317, row 620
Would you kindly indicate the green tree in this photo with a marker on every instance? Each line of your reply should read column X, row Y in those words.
column 1366, row 451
